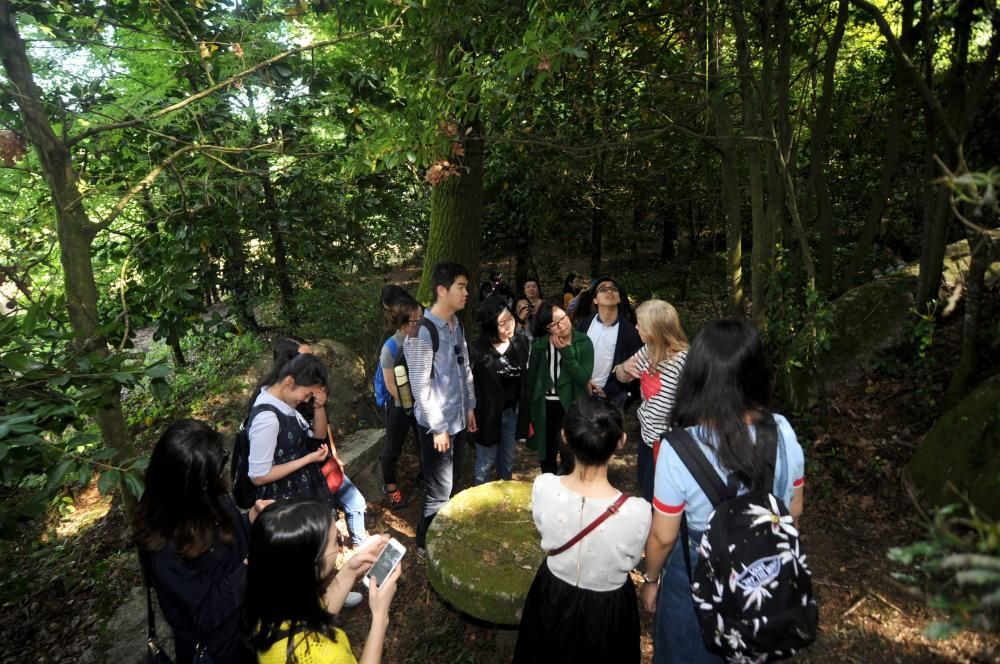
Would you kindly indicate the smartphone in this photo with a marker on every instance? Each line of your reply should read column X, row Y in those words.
column 385, row 563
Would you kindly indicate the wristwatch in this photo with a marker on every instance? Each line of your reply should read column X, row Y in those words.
column 647, row 579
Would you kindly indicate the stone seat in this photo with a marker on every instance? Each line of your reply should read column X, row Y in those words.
column 483, row 551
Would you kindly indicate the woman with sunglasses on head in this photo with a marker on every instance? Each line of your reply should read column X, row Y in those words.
column 559, row 369
column 295, row 591
column 499, row 359
column 403, row 316
column 192, row 541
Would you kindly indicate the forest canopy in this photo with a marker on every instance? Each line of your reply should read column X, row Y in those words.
column 157, row 158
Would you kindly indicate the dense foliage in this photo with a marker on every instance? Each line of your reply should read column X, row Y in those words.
column 160, row 158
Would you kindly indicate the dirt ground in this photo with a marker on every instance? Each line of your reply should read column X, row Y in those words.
column 855, row 509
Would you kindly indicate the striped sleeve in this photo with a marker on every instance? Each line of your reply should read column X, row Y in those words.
column 419, row 360
column 658, row 408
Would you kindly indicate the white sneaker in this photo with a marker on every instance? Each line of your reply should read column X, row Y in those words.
column 353, row 599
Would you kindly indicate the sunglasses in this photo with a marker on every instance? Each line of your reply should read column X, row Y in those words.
column 458, row 355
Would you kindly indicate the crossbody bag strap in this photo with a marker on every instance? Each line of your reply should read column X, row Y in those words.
column 614, row 507
column 150, row 616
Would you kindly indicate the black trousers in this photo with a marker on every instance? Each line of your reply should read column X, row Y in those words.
column 554, row 444
column 397, row 423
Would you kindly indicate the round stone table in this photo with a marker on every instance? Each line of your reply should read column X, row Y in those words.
column 483, row 551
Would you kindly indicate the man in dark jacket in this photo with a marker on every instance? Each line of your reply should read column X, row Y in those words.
column 615, row 340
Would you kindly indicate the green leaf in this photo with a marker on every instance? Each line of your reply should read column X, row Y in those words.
column 107, row 481
column 57, row 474
column 20, row 363
column 135, row 484
column 160, row 390
column 3, row 451
column 161, row 370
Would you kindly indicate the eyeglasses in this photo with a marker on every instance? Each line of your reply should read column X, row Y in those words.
column 555, row 323
column 607, row 289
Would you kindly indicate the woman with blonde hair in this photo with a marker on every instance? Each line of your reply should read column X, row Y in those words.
column 658, row 366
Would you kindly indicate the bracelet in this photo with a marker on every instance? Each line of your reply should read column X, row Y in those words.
column 647, row 579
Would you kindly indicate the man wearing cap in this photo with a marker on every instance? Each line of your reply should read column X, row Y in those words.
column 614, row 337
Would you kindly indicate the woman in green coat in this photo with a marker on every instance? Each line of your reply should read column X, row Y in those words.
column 559, row 369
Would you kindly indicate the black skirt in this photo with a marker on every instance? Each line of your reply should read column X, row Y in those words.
column 563, row 623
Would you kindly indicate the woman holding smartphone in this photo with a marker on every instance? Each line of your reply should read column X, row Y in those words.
column 295, row 591
column 559, row 369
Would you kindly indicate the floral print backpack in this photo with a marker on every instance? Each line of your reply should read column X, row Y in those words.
column 752, row 590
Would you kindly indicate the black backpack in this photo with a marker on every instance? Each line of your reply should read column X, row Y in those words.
column 244, row 491
column 752, row 589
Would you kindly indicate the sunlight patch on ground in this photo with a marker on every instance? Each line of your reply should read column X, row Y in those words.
column 88, row 508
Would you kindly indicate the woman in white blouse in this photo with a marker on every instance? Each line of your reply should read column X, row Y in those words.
column 582, row 604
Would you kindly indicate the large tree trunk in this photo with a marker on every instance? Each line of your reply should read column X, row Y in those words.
column 281, row 273
column 74, row 229
column 890, row 157
column 817, row 155
column 762, row 247
column 456, row 206
column 730, row 190
column 982, row 249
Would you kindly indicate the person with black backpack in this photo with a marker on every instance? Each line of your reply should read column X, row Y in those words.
column 728, row 484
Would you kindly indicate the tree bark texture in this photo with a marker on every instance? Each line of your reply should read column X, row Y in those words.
column 818, row 187
column 982, row 250
column 730, row 188
column 281, row 273
column 456, row 211
column 74, row 229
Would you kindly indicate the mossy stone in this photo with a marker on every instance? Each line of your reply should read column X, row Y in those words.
column 483, row 551
column 963, row 448
column 865, row 321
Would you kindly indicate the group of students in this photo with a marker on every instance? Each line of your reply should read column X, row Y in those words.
column 263, row 584
column 260, row 586
column 560, row 385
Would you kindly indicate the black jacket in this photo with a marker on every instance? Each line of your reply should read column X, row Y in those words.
column 201, row 598
column 489, row 388
column 627, row 344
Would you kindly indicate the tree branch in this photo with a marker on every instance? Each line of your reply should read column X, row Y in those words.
column 151, row 177
column 223, row 84
column 932, row 102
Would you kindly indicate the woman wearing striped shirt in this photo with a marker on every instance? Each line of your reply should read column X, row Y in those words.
column 657, row 366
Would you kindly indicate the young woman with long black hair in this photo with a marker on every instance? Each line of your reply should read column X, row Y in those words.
column 499, row 360
column 294, row 590
column 722, row 401
column 193, row 541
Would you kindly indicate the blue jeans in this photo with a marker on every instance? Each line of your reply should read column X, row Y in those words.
column 501, row 454
column 441, row 473
column 353, row 503
column 677, row 637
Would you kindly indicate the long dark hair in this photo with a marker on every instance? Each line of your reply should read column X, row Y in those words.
column 487, row 315
column 285, row 349
column 593, row 426
column 185, row 490
column 725, row 380
column 285, row 579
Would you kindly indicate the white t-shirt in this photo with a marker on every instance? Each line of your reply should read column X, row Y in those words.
column 264, row 433
column 601, row 560
column 605, row 338
column 675, row 489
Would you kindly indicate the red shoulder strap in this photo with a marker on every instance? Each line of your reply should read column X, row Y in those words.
column 614, row 507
